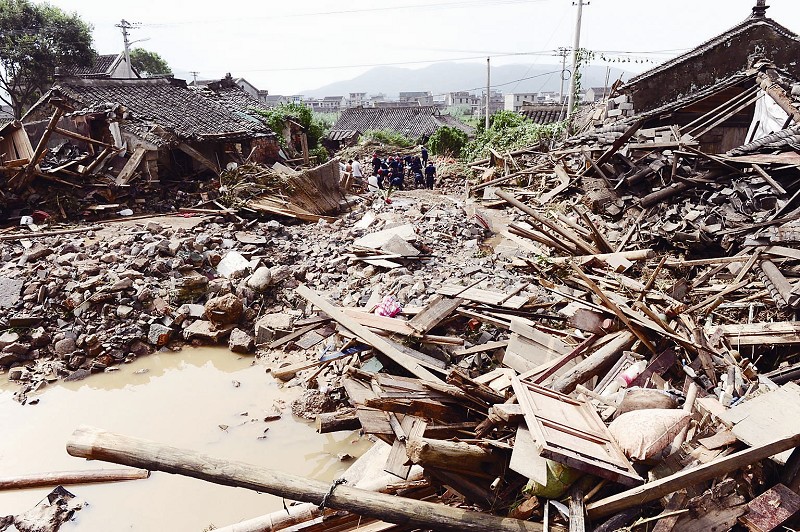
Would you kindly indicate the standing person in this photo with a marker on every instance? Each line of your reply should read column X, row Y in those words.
column 376, row 163
column 430, row 175
column 424, row 152
column 416, row 171
column 358, row 175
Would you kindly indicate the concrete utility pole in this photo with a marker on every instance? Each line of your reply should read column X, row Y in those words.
column 562, row 52
column 125, row 26
column 488, row 89
column 575, row 48
column 194, row 75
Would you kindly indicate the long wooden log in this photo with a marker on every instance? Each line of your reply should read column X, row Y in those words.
column 20, row 236
column 64, row 478
column 97, row 444
column 591, row 365
column 682, row 479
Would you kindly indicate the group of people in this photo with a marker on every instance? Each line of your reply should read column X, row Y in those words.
column 392, row 171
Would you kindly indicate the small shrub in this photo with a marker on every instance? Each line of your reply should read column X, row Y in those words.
column 447, row 141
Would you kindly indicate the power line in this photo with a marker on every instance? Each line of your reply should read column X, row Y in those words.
column 458, row 4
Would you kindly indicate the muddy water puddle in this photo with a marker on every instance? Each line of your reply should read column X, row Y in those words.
column 207, row 399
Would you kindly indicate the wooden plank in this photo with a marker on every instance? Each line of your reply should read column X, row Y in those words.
column 768, row 416
column 531, row 351
column 717, row 440
column 526, row 457
column 659, row 488
column 130, row 166
column 199, row 157
column 481, row 348
column 771, row 509
column 533, row 334
column 434, row 312
column 768, row 178
column 571, row 432
column 398, row 464
column 484, row 296
column 369, row 337
column 763, row 333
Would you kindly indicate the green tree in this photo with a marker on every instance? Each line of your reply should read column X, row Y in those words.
column 447, row 141
column 149, row 63
column 34, row 40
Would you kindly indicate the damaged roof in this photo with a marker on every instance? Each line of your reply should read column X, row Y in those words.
column 412, row 122
column 728, row 54
column 167, row 103
column 543, row 114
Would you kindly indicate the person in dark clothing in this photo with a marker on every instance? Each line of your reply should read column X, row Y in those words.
column 416, row 171
column 424, row 156
column 407, row 162
column 376, row 163
column 397, row 179
column 430, row 175
column 380, row 174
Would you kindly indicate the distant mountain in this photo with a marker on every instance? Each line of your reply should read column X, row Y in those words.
column 441, row 78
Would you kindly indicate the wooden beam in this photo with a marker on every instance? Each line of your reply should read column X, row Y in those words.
column 337, row 314
column 199, row 157
column 64, row 478
column 97, row 444
column 565, row 233
column 682, row 479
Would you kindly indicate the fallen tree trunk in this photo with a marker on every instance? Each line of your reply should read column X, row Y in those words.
column 97, row 444
column 64, row 478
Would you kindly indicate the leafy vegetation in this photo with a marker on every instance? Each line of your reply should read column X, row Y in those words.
column 34, row 40
column 149, row 63
column 388, row 137
column 508, row 131
column 316, row 127
column 448, row 141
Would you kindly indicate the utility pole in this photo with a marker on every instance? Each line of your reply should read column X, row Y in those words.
column 575, row 50
column 563, row 53
column 488, row 88
column 194, row 75
column 125, row 26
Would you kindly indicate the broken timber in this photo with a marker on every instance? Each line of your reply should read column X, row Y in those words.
column 381, row 344
column 97, row 444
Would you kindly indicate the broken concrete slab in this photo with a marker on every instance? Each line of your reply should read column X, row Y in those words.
column 377, row 239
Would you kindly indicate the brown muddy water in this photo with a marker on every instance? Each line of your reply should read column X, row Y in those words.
column 181, row 399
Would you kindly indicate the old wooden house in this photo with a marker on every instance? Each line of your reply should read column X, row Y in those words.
column 715, row 93
column 170, row 128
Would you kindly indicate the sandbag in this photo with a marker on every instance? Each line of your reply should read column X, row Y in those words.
column 643, row 434
column 559, row 478
column 645, row 398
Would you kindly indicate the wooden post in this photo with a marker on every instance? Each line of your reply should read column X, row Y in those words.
column 64, row 478
column 40, row 148
column 97, row 444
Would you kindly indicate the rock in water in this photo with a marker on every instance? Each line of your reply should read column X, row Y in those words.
column 240, row 341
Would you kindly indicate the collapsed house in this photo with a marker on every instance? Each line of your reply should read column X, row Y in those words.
column 175, row 130
column 415, row 123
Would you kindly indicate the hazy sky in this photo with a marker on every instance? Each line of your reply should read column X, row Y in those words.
column 289, row 46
